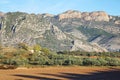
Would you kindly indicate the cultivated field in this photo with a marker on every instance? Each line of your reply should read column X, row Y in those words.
column 61, row 73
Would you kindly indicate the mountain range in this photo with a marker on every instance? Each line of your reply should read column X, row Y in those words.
column 69, row 31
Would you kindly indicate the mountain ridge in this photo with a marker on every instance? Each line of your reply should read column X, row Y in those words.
column 71, row 30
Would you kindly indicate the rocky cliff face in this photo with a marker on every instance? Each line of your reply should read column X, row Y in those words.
column 69, row 14
column 71, row 30
column 94, row 16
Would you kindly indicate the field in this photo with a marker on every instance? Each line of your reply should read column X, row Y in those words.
column 62, row 73
column 66, row 65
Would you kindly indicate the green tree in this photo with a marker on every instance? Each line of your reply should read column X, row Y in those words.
column 0, row 47
column 37, row 48
column 102, row 61
column 45, row 50
column 23, row 46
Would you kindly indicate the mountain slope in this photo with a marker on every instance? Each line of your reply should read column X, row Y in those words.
column 71, row 30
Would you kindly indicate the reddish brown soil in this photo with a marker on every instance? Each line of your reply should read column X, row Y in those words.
column 61, row 73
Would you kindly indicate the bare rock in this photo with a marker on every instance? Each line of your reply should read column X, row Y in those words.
column 70, row 14
column 117, row 22
column 99, row 16
column 58, row 33
column 95, row 16
column 92, row 47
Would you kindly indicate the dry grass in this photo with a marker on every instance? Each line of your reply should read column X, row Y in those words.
column 61, row 73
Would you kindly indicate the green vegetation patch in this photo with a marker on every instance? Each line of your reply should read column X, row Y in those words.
column 93, row 33
column 22, row 56
column 11, row 19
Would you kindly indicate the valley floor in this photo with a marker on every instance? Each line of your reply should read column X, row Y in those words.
column 62, row 73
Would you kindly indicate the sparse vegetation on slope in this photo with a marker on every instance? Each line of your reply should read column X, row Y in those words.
column 57, row 32
column 93, row 33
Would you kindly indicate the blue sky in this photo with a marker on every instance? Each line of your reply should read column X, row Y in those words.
column 112, row 7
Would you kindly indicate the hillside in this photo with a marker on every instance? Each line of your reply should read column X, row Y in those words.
column 71, row 30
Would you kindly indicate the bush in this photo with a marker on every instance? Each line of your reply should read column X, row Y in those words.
column 16, row 61
column 58, row 62
column 87, row 61
column 57, row 59
column 23, row 46
column 0, row 47
column 77, row 61
column 72, row 61
column 1, row 56
column 91, row 62
column 37, row 48
column 113, row 61
column 102, row 61
column 45, row 50
column 38, row 60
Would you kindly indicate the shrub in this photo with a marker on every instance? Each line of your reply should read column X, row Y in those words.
column 58, row 62
column 38, row 60
column 112, row 61
column 37, row 48
column 87, row 61
column 1, row 56
column 102, row 61
column 9, row 62
column 91, row 61
column 16, row 61
column 45, row 50
column 23, row 46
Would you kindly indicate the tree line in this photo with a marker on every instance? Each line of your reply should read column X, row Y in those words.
column 24, row 55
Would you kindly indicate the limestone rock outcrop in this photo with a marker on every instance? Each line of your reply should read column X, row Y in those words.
column 69, row 14
column 96, row 16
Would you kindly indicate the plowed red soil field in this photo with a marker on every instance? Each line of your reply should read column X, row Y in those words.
column 61, row 73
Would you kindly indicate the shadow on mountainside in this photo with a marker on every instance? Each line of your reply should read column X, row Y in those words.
column 113, row 74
